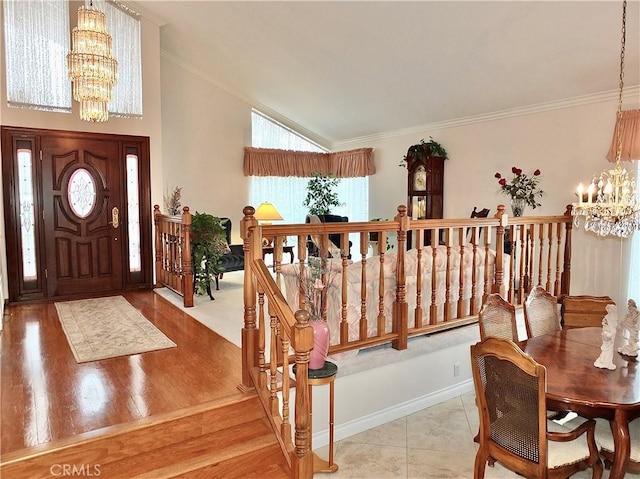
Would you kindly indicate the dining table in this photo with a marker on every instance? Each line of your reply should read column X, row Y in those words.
column 575, row 384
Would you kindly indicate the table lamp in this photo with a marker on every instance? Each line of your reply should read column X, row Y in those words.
column 265, row 214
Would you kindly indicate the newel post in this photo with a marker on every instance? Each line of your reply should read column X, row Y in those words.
column 158, row 243
column 187, row 272
column 302, row 343
column 400, row 306
column 250, row 243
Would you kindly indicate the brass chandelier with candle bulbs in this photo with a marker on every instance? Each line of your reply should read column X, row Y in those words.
column 92, row 68
column 609, row 205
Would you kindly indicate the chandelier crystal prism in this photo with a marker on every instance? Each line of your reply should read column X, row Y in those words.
column 92, row 68
column 609, row 205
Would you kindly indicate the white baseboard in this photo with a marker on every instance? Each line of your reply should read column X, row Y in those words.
column 351, row 428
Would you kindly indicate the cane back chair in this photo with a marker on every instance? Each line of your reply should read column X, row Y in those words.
column 497, row 318
column 514, row 430
column 541, row 313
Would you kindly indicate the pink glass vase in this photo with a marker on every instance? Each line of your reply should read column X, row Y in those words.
column 321, row 340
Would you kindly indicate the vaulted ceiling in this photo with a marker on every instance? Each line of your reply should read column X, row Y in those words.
column 350, row 69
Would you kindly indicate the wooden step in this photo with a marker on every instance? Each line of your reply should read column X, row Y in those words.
column 209, row 437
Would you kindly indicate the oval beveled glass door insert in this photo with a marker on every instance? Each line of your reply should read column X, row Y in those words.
column 81, row 193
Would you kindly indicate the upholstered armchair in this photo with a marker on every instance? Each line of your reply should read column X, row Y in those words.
column 234, row 259
column 334, row 238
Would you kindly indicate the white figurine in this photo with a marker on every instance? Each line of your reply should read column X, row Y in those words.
column 630, row 323
column 609, row 325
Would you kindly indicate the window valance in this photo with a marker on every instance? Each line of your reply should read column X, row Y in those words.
column 629, row 122
column 340, row 164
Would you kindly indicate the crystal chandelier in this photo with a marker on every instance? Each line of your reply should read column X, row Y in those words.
column 609, row 204
column 92, row 67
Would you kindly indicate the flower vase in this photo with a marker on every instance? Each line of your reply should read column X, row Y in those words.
column 321, row 339
column 517, row 206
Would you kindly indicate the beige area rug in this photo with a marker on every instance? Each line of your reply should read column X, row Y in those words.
column 102, row 328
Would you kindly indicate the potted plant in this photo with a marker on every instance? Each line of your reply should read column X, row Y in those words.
column 424, row 149
column 208, row 244
column 321, row 194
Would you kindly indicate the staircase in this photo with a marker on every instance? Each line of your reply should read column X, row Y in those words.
column 227, row 438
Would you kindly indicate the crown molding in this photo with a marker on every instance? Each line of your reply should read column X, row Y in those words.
column 499, row 115
column 420, row 129
column 139, row 9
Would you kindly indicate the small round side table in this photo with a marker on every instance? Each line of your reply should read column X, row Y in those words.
column 319, row 377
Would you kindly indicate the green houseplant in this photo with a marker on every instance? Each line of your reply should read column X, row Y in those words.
column 321, row 194
column 208, row 244
column 424, row 149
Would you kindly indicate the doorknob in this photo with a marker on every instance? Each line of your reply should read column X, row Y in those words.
column 115, row 220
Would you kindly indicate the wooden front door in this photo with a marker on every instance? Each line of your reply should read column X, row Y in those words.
column 82, row 203
column 77, row 213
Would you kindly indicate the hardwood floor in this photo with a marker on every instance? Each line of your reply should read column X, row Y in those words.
column 47, row 396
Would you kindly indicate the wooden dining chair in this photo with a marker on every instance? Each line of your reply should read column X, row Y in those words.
column 583, row 311
column 497, row 318
column 541, row 313
column 514, row 430
column 604, row 438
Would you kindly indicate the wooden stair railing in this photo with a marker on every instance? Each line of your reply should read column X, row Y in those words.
column 173, row 253
column 268, row 368
column 274, row 337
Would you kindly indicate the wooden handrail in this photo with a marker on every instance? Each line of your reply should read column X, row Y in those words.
column 173, row 253
column 510, row 255
column 539, row 250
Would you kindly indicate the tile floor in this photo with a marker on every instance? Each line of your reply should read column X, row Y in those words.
column 435, row 443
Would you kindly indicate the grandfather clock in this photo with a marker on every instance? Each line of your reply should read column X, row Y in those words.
column 425, row 185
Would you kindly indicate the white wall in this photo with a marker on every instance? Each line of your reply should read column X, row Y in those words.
column 205, row 131
column 567, row 144
column 398, row 383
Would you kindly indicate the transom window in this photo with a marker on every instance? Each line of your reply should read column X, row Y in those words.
column 37, row 40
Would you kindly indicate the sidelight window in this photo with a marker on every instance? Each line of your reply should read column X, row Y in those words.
column 27, row 214
column 133, row 213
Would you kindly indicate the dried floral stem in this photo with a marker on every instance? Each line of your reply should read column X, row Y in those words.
column 313, row 279
column 172, row 201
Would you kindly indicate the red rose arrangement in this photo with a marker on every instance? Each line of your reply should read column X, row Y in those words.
column 522, row 186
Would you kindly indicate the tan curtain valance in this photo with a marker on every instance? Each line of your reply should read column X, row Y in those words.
column 340, row 164
column 630, row 127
